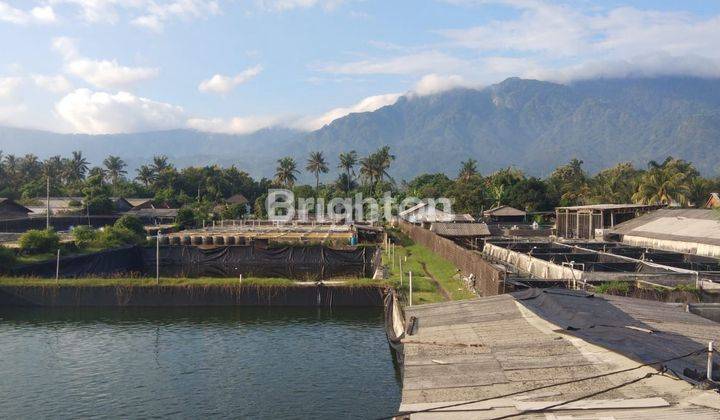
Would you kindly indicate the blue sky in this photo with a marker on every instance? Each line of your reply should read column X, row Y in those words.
column 108, row 66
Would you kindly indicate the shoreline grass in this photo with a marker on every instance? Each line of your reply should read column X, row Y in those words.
column 424, row 290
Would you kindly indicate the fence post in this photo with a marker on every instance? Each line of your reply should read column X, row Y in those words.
column 410, row 283
column 157, row 259
column 401, row 273
column 57, row 267
column 709, row 361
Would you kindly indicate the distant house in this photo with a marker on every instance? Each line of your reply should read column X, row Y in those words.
column 9, row 209
column 58, row 205
column 466, row 234
column 120, row 204
column 237, row 199
column 425, row 215
column 714, row 201
column 140, row 203
column 504, row 214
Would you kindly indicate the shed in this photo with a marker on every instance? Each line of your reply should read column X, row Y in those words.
column 120, row 204
column 690, row 231
column 424, row 214
column 585, row 222
column 237, row 199
column 465, row 234
column 504, row 214
column 58, row 205
column 9, row 209
column 713, row 201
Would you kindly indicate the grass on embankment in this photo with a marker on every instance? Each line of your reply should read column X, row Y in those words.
column 170, row 281
column 424, row 290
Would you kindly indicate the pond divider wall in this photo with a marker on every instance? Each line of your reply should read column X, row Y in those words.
column 297, row 262
column 191, row 295
column 490, row 279
column 58, row 223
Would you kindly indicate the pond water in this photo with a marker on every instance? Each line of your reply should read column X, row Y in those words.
column 196, row 363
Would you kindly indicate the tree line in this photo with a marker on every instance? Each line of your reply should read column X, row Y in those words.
column 672, row 181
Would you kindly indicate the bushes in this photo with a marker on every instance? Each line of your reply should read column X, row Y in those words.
column 84, row 236
column 115, row 236
column 7, row 258
column 39, row 241
column 132, row 224
column 127, row 230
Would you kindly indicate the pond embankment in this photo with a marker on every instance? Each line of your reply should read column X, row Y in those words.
column 192, row 295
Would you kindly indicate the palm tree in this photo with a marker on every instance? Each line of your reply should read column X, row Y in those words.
column 368, row 172
column 115, row 168
column 467, row 170
column 11, row 167
column 160, row 163
column 662, row 186
column 145, row 174
column 285, row 173
column 347, row 163
column 383, row 159
column 316, row 164
column 77, row 166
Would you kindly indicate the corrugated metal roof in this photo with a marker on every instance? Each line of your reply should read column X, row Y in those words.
column 504, row 211
column 460, row 229
column 611, row 207
column 687, row 225
column 489, row 347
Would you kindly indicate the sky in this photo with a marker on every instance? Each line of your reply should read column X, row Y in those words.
column 237, row 66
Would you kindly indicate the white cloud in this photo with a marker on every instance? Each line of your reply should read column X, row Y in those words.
column 55, row 84
column 158, row 13
column 368, row 104
column 416, row 63
column 223, row 84
column 101, row 73
column 431, row 84
column 152, row 14
column 104, row 113
column 11, row 14
column 285, row 5
column 236, row 125
column 8, row 86
column 563, row 42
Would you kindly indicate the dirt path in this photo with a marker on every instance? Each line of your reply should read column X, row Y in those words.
column 438, row 286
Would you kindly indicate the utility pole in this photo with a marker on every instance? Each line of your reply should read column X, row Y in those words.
column 157, row 259
column 47, row 208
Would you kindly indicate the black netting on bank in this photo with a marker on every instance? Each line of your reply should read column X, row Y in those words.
column 302, row 263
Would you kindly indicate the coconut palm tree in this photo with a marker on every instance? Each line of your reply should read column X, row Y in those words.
column 347, row 163
column 368, row 170
column 115, row 168
column 316, row 165
column 285, row 173
column 145, row 174
column 662, row 186
column 160, row 164
column 467, row 170
column 383, row 159
column 77, row 166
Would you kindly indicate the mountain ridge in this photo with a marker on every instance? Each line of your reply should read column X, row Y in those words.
column 530, row 124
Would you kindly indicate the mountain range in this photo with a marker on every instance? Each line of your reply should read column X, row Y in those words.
column 532, row 125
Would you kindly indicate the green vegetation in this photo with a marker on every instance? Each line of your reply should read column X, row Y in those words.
column 417, row 258
column 7, row 257
column 197, row 191
column 614, row 288
column 35, row 242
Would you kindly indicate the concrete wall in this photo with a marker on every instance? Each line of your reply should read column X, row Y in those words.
column 677, row 246
column 326, row 296
column 536, row 267
column 490, row 279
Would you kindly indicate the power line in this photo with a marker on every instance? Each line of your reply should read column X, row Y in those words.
column 602, row 375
